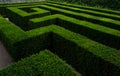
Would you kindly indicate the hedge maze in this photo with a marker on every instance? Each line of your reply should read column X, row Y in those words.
column 80, row 40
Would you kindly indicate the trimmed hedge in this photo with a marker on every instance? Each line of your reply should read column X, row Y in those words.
column 43, row 21
column 88, row 7
column 4, row 5
column 14, row 39
column 10, row 34
column 111, row 4
column 81, row 41
column 82, row 16
column 101, row 34
column 44, row 63
column 21, row 18
column 31, row 45
column 87, row 56
column 87, row 11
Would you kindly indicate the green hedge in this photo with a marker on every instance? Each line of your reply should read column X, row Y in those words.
column 88, row 7
column 82, row 10
column 5, row 5
column 105, row 56
column 87, row 56
column 92, row 54
column 31, row 45
column 82, row 16
column 14, row 39
column 19, row 42
column 104, row 35
column 44, row 63
column 10, row 34
column 21, row 18
column 43, row 21
column 110, row 4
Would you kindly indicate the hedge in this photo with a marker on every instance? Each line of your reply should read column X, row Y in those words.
column 44, row 63
column 82, row 16
column 109, row 4
column 43, row 21
column 104, row 35
column 88, row 7
column 14, row 39
column 4, row 5
column 100, row 56
column 21, row 18
column 82, row 42
column 10, row 33
column 87, row 11
column 87, row 56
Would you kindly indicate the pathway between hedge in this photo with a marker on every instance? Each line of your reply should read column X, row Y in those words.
column 5, row 58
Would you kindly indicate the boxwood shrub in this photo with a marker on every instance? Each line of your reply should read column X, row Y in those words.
column 44, row 63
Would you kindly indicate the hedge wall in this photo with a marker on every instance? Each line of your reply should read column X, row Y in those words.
column 87, row 38
column 44, row 63
column 110, row 4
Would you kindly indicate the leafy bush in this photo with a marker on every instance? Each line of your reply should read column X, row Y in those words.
column 111, row 4
column 87, row 40
column 44, row 63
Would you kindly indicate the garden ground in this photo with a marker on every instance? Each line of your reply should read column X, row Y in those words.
column 5, row 58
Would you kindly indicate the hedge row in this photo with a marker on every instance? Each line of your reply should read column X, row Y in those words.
column 88, row 7
column 44, row 63
column 82, row 52
column 82, row 16
column 21, row 18
column 109, row 4
column 12, row 37
column 104, row 35
column 88, row 57
column 104, row 56
column 3, row 6
column 43, row 21
column 87, row 11
column 92, row 18
column 10, row 34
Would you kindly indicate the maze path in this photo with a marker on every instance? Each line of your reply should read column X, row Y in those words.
column 5, row 58
column 89, row 42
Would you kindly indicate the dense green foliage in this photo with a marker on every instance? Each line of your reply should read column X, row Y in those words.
column 87, row 38
column 44, row 63
column 111, row 4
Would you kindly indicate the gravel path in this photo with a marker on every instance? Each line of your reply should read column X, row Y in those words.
column 5, row 58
